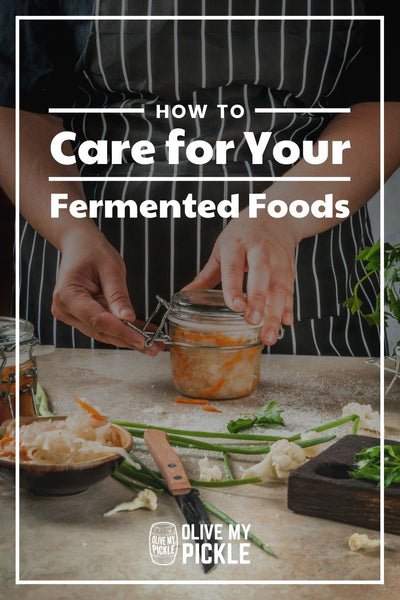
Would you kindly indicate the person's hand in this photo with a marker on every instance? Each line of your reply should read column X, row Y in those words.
column 265, row 248
column 91, row 292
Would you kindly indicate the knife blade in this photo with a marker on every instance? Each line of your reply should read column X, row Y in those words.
column 187, row 498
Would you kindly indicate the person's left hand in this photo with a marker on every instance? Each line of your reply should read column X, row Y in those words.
column 265, row 248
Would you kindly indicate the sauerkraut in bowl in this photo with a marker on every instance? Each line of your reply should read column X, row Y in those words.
column 65, row 441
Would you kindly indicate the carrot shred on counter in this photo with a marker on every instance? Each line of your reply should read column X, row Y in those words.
column 92, row 411
column 190, row 401
column 211, row 409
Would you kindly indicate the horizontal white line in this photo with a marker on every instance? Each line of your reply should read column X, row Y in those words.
column 199, row 178
column 141, row 110
column 96, row 110
column 200, row 582
column 302, row 110
column 199, row 18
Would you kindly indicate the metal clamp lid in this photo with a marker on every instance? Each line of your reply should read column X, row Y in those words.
column 157, row 336
column 154, row 336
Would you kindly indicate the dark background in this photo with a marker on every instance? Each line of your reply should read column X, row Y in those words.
column 6, row 254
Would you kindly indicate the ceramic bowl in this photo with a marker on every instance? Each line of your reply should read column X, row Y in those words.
column 62, row 480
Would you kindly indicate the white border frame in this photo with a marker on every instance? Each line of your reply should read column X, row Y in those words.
column 20, row 18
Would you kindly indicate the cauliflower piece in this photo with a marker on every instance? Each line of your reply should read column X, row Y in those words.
column 369, row 419
column 283, row 458
column 145, row 499
column 209, row 472
column 313, row 450
column 359, row 541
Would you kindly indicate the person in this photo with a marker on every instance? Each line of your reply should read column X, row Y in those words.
column 94, row 273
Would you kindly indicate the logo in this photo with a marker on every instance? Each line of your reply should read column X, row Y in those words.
column 163, row 543
column 204, row 545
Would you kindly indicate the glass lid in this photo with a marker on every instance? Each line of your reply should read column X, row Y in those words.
column 207, row 302
column 7, row 332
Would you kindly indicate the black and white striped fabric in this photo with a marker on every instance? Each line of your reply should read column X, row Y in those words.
column 255, row 63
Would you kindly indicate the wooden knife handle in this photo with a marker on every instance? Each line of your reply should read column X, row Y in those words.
column 167, row 461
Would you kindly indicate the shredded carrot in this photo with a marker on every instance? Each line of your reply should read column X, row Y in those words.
column 190, row 401
column 216, row 388
column 238, row 356
column 95, row 414
column 218, row 339
column 211, row 409
column 6, row 439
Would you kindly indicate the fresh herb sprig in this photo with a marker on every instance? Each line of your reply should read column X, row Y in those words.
column 367, row 465
column 370, row 255
column 267, row 416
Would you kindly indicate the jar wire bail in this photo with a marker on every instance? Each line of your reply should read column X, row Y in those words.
column 157, row 336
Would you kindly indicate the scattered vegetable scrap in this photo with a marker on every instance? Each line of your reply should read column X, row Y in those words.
column 267, row 416
column 42, row 402
column 191, row 400
column 208, row 471
column 359, row 541
column 369, row 419
column 201, row 401
column 145, row 499
column 283, row 458
column 92, row 411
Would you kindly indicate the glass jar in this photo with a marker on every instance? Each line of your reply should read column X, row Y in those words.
column 27, row 368
column 215, row 354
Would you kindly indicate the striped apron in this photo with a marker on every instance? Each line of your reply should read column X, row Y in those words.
column 254, row 63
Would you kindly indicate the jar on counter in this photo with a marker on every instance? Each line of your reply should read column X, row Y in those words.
column 27, row 368
column 215, row 354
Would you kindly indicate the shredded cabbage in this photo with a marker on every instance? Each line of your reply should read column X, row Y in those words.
column 77, row 439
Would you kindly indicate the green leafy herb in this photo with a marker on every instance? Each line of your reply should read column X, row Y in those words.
column 370, row 255
column 367, row 465
column 267, row 416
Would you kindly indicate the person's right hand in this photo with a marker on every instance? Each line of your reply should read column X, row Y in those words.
column 91, row 292
column 265, row 249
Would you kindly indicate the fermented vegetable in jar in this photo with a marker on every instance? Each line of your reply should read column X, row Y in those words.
column 215, row 354
column 27, row 368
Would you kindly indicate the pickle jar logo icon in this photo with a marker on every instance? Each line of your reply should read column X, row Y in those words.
column 163, row 543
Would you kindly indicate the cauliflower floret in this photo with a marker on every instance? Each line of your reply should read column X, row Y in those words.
column 209, row 472
column 369, row 419
column 313, row 450
column 283, row 458
column 360, row 541
column 145, row 499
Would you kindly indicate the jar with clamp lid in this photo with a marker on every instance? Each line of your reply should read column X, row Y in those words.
column 215, row 353
column 27, row 368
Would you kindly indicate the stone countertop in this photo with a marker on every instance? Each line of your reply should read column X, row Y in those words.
column 67, row 538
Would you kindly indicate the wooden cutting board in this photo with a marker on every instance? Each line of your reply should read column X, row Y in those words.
column 322, row 488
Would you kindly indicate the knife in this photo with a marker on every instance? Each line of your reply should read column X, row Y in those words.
column 187, row 498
